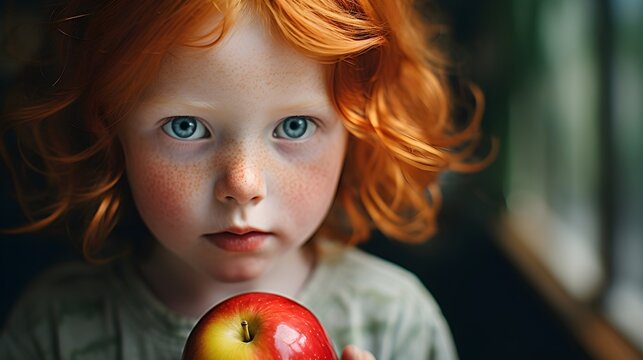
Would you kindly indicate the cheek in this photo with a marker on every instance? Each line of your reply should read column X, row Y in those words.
column 310, row 189
column 164, row 193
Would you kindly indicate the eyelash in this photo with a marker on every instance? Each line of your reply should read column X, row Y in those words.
column 196, row 126
column 309, row 130
column 170, row 128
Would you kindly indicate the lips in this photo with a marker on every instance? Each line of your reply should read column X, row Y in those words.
column 238, row 240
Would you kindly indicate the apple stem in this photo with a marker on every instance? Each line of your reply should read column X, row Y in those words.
column 246, row 331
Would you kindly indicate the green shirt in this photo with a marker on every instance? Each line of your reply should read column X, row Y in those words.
column 77, row 312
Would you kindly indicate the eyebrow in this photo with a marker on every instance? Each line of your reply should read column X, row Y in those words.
column 196, row 104
column 312, row 103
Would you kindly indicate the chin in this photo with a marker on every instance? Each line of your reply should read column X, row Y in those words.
column 240, row 271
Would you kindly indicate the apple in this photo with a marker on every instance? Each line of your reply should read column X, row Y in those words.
column 258, row 325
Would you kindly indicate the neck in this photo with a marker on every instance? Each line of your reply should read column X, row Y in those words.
column 189, row 292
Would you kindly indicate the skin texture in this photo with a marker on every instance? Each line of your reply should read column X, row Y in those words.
column 239, row 170
column 352, row 352
column 243, row 174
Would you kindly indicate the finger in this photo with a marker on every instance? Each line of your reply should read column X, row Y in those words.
column 352, row 352
column 367, row 355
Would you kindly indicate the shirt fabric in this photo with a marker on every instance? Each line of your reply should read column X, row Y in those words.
column 81, row 312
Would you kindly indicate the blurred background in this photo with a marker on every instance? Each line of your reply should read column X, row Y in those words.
column 540, row 255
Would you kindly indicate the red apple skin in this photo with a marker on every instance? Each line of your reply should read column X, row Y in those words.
column 280, row 328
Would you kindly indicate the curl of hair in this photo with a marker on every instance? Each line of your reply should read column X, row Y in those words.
column 385, row 77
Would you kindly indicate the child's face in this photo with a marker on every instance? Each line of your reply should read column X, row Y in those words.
column 238, row 138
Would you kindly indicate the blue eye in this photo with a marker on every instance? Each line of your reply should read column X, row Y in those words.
column 295, row 128
column 185, row 128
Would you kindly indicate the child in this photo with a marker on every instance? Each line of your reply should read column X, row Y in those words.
column 257, row 140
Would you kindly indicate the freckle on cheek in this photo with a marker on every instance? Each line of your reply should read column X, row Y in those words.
column 163, row 192
column 313, row 187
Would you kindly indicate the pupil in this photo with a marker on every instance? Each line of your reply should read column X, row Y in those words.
column 184, row 127
column 296, row 127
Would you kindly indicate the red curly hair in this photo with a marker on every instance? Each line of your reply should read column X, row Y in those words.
column 386, row 78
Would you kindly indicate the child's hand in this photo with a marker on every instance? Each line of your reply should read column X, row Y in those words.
column 352, row 352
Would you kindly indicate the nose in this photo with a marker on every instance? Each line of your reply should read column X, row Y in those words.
column 242, row 181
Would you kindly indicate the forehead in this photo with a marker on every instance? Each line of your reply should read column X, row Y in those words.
column 249, row 56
